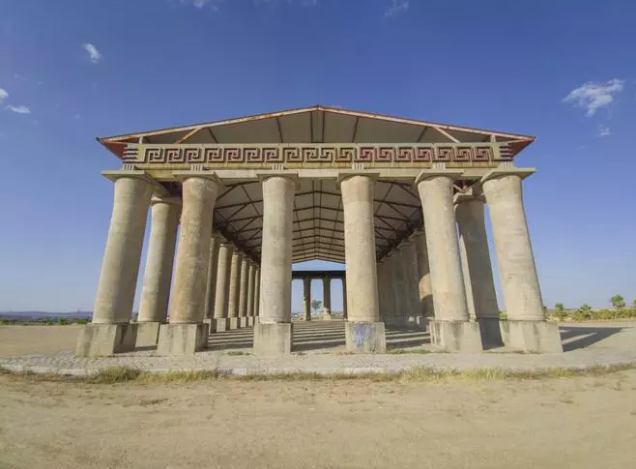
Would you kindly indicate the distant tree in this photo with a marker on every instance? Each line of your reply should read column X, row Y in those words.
column 315, row 305
column 559, row 307
column 586, row 308
column 618, row 302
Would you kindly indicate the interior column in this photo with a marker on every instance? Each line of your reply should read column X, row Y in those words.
column 210, row 292
column 234, row 290
column 326, row 298
column 451, row 328
column 273, row 333
column 244, row 284
column 526, row 328
column 155, row 294
column 307, row 299
column 250, row 294
column 364, row 331
column 110, row 330
column 222, row 291
column 424, row 274
column 477, row 269
column 187, row 333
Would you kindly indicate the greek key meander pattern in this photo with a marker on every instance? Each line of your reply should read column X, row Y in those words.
column 317, row 153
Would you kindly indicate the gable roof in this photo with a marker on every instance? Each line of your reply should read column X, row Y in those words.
column 316, row 124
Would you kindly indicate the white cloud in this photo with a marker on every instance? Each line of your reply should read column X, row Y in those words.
column 603, row 131
column 19, row 109
column 3, row 95
column 396, row 7
column 594, row 96
column 94, row 55
column 200, row 4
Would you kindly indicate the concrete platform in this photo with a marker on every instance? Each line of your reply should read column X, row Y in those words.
column 103, row 340
column 456, row 336
column 147, row 334
column 182, row 339
column 319, row 348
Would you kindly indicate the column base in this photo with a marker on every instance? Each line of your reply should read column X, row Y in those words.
column 456, row 336
column 243, row 321
column 147, row 334
column 234, row 323
column 182, row 339
column 307, row 317
column 532, row 336
column 221, row 324
column 273, row 339
column 326, row 315
column 490, row 329
column 211, row 323
column 250, row 321
column 365, row 337
column 104, row 340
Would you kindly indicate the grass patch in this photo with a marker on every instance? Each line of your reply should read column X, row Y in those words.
column 114, row 375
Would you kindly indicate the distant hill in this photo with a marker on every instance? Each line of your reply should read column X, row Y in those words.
column 27, row 315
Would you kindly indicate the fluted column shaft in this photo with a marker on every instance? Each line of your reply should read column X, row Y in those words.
column 235, row 285
column 193, row 252
column 213, row 265
column 307, row 299
column 449, row 297
column 244, row 283
column 276, row 259
column 250, row 290
column 155, row 294
column 326, row 294
column 517, row 269
column 362, row 285
column 476, row 265
column 221, row 294
column 120, row 266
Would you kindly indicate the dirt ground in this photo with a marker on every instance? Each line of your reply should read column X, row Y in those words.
column 585, row 422
column 36, row 340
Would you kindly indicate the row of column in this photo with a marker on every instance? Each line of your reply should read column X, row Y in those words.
column 326, row 295
column 452, row 289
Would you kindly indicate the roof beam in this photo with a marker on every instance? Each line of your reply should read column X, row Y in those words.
column 188, row 135
column 445, row 134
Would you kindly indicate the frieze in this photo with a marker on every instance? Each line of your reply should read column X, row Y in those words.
column 317, row 154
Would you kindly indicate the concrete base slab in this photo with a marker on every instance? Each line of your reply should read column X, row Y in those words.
column 250, row 321
column 273, row 339
column 221, row 325
column 147, row 334
column 243, row 321
column 211, row 323
column 234, row 323
column 490, row 330
column 182, row 339
column 532, row 336
column 365, row 337
column 104, row 340
column 456, row 336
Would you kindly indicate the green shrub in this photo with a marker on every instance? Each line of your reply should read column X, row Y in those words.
column 62, row 321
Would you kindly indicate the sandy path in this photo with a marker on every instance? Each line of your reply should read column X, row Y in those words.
column 578, row 423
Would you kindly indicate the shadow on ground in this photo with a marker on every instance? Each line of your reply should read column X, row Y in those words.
column 581, row 337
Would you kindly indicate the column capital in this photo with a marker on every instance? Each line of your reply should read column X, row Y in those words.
column 501, row 172
column 116, row 174
column 281, row 173
column 183, row 175
column 434, row 173
column 349, row 173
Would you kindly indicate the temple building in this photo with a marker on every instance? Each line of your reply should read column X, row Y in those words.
column 399, row 201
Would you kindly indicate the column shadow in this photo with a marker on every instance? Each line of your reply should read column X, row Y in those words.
column 586, row 335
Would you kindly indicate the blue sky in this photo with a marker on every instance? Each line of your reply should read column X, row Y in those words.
column 71, row 70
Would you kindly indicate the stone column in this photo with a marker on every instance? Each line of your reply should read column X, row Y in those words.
column 153, row 308
column 477, row 269
column 250, row 294
column 424, row 278
column 307, row 299
column 187, row 333
column 110, row 331
column 398, row 285
column 326, row 298
column 344, row 299
column 526, row 326
column 386, row 291
column 222, row 291
column 244, row 283
column 235, row 289
column 273, row 333
column 364, row 331
column 257, row 297
column 210, row 293
column 411, row 287
column 451, row 328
